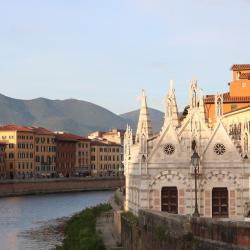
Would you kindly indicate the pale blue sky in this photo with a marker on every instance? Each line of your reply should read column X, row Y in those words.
column 106, row 51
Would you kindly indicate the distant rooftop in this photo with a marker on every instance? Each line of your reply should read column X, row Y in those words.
column 227, row 98
column 240, row 67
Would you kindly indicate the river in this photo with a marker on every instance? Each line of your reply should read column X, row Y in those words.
column 26, row 222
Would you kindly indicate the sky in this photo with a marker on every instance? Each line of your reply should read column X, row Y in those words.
column 107, row 51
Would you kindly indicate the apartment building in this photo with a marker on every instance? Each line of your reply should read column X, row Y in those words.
column 2, row 160
column 114, row 135
column 19, row 150
column 45, row 152
column 106, row 158
column 66, row 153
column 82, row 166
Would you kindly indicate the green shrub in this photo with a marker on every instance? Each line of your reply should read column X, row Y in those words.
column 130, row 217
column 80, row 231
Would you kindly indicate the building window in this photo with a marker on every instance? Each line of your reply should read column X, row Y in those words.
column 219, row 149
column 233, row 106
column 243, row 84
column 169, row 149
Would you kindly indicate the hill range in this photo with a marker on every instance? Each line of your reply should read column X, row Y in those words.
column 70, row 115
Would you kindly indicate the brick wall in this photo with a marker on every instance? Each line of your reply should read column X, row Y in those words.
column 8, row 188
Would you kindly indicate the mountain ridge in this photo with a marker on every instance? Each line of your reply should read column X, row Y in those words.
column 70, row 115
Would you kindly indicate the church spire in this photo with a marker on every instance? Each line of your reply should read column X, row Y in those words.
column 144, row 127
column 201, row 106
column 193, row 94
column 171, row 110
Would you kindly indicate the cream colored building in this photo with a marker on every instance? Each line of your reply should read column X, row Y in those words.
column 237, row 124
column 114, row 135
column 158, row 170
column 105, row 158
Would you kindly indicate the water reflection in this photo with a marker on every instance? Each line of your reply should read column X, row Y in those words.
column 22, row 219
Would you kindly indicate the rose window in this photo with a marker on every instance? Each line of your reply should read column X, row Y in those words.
column 169, row 149
column 219, row 149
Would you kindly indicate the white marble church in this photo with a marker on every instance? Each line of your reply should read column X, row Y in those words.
column 158, row 170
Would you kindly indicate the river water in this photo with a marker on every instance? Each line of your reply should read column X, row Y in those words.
column 27, row 222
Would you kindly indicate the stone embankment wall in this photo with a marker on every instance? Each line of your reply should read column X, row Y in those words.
column 41, row 186
column 158, row 231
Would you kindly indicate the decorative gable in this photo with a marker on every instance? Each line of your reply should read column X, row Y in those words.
column 220, row 147
column 167, row 147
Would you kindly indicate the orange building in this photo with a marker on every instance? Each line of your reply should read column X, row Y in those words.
column 45, row 152
column 238, row 96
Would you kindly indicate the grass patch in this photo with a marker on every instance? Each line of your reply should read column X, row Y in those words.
column 80, row 231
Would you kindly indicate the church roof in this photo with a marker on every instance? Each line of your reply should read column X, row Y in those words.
column 236, row 67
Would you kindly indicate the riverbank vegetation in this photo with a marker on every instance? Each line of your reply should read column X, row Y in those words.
column 80, row 231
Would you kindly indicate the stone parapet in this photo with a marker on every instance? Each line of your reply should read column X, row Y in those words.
column 158, row 230
column 23, row 187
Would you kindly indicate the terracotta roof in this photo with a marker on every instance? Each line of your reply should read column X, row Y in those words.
column 240, row 67
column 14, row 127
column 42, row 131
column 245, row 76
column 68, row 137
column 227, row 98
column 103, row 143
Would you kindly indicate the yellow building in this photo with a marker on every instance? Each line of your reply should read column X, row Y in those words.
column 106, row 158
column 19, row 150
column 237, row 124
column 45, row 152
column 2, row 160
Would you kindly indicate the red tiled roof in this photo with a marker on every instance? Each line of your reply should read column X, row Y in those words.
column 227, row 98
column 13, row 127
column 42, row 131
column 240, row 67
column 69, row 137
column 103, row 143
column 245, row 76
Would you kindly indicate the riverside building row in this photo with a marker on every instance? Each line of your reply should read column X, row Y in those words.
column 27, row 152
